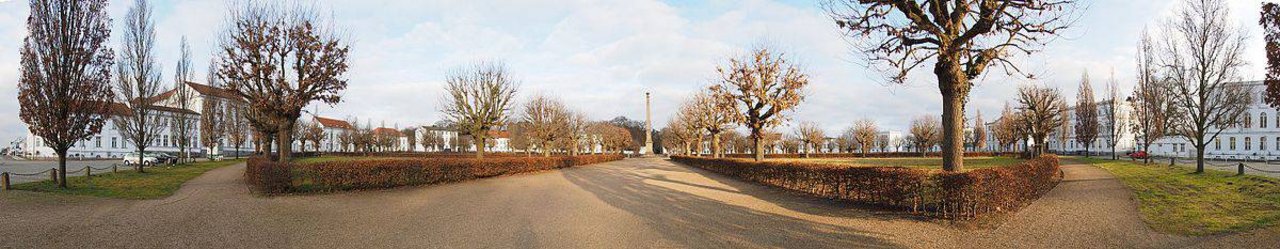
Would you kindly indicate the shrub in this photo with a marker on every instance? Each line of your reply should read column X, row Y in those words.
column 265, row 176
column 396, row 172
column 859, row 155
column 951, row 195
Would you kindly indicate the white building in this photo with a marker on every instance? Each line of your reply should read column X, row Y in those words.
column 1124, row 141
column 1257, row 138
column 109, row 143
column 333, row 130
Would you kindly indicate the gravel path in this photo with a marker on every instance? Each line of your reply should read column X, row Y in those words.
column 635, row 203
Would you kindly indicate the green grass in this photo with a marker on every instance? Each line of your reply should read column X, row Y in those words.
column 913, row 162
column 1177, row 201
column 157, row 182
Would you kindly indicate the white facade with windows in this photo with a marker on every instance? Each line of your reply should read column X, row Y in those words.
column 1101, row 143
column 1256, row 138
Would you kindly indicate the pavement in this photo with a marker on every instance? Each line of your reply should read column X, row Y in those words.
column 633, row 203
column 37, row 166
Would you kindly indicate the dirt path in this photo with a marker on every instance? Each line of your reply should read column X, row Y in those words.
column 635, row 203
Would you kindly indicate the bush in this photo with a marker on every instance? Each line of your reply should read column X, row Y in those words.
column 859, row 155
column 270, row 177
column 951, row 195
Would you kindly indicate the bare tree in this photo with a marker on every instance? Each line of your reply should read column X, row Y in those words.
column 182, row 126
column 64, row 91
column 411, row 136
column 578, row 126
column 883, row 143
column 138, row 82
column 678, row 133
column 961, row 39
column 864, row 133
column 1202, row 55
column 432, row 140
column 280, row 59
column 1041, row 110
column 478, row 100
column 979, row 132
column 925, row 133
column 313, row 132
column 237, row 127
column 1086, row 114
column 1113, row 118
column 213, row 125
column 762, row 86
column 810, row 136
column 548, row 121
column 1151, row 104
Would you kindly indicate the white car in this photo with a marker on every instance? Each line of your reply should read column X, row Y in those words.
column 147, row 159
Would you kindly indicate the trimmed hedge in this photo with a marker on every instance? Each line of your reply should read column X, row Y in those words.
column 859, row 155
column 948, row 195
column 271, row 177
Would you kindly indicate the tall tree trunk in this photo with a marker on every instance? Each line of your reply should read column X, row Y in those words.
column 62, row 169
column 952, row 127
column 759, row 151
column 715, row 145
column 479, row 147
column 546, row 149
column 284, row 142
column 1200, row 158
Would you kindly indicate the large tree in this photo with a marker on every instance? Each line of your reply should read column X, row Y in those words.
column 714, row 115
column 762, row 85
column 1041, row 111
column 1086, row 114
column 925, row 133
column 1202, row 56
column 478, row 99
column 1113, row 118
column 811, row 137
column 213, row 125
column 961, row 39
column 280, row 59
column 182, row 126
column 1151, row 105
column 548, row 121
column 865, row 133
column 138, row 82
column 64, row 91
column 1270, row 21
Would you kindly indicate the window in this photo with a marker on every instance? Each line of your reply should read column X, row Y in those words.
column 1231, row 143
column 1262, row 120
column 1248, row 143
column 97, row 142
column 1262, row 143
column 1248, row 120
column 113, row 142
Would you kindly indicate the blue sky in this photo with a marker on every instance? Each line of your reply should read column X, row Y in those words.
column 600, row 56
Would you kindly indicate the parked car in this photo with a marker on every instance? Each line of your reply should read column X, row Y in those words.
column 1138, row 155
column 166, row 158
column 147, row 159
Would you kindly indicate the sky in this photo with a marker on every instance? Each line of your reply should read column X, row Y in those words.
column 601, row 56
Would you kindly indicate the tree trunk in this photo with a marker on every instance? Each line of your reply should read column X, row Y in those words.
column 1199, row 158
column 237, row 152
column 546, row 150
column 284, row 141
column 715, row 145
column 952, row 127
column 479, row 147
column 759, row 151
column 1086, row 150
column 62, row 169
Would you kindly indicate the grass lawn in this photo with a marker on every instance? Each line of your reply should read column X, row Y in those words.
column 913, row 162
column 158, row 182
column 1174, row 200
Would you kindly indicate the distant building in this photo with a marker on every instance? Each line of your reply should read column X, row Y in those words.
column 1257, row 138
column 1100, row 145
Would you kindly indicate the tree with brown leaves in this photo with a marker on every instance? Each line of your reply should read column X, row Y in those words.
column 64, row 90
column 811, row 137
column 925, row 133
column 1270, row 21
column 237, row 127
column 961, row 39
column 678, row 134
column 138, row 83
column 1203, row 56
column 714, row 115
column 1086, row 114
column 411, row 137
column 548, row 121
column 762, row 86
column 281, row 59
column 1151, row 106
column 864, row 133
column 1041, row 111
column 313, row 132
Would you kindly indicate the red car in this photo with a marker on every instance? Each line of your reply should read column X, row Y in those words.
column 1138, row 155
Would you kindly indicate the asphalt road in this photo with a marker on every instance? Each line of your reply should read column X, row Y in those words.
column 634, row 203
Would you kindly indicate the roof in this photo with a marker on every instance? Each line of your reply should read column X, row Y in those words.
column 387, row 131
column 120, row 109
column 499, row 134
column 333, row 123
column 213, row 91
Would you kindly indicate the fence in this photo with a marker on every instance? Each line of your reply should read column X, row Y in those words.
column 1239, row 166
column 6, row 182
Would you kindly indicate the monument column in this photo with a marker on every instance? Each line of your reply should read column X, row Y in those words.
column 648, row 128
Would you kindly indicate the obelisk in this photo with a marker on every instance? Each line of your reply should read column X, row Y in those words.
column 648, row 128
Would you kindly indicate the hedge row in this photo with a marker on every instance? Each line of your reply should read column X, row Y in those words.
column 422, row 154
column 272, row 177
column 949, row 195
column 859, row 155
